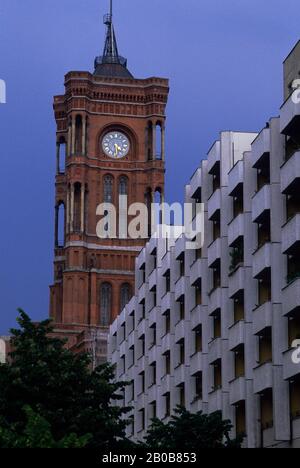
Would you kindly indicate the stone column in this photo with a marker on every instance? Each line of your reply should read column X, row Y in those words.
column 162, row 201
column 69, row 143
column 84, row 135
column 94, row 312
column 153, row 220
column 56, row 224
column 73, row 135
column 57, row 158
column 153, row 142
column 82, row 205
column 68, row 212
column 72, row 208
column 163, row 143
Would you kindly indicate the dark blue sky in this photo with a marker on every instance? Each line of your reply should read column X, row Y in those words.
column 223, row 58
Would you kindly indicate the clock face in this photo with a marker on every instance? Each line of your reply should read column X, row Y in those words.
column 115, row 145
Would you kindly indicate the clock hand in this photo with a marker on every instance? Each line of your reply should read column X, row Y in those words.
column 117, row 148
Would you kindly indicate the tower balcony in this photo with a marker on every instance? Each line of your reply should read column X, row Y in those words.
column 236, row 177
column 59, row 253
column 261, row 203
column 60, row 178
column 290, row 173
column 261, row 146
column 291, row 236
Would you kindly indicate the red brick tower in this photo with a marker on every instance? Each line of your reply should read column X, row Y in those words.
column 110, row 141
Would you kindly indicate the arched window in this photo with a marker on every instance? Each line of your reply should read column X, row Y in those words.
column 108, row 189
column 123, row 206
column 158, row 210
column 158, row 141
column 78, row 134
column 105, row 304
column 61, row 155
column 123, row 186
column 148, row 202
column 125, row 295
column 149, row 141
column 60, row 224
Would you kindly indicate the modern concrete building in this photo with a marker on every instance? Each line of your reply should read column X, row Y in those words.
column 214, row 328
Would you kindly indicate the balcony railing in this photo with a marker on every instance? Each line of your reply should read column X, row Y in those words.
column 293, row 277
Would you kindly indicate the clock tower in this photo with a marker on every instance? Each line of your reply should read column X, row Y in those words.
column 110, row 142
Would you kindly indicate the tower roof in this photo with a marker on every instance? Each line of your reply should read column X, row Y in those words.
column 111, row 63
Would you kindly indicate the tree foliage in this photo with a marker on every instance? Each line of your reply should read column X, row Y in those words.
column 47, row 386
column 189, row 432
column 37, row 434
column 50, row 398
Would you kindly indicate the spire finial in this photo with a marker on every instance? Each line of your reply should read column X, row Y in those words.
column 110, row 52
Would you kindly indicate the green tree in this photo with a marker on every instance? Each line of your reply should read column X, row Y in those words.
column 37, row 434
column 48, row 386
column 191, row 432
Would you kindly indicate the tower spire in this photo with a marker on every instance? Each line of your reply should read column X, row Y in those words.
column 110, row 52
column 111, row 63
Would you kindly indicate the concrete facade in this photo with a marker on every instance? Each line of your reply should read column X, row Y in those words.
column 213, row 329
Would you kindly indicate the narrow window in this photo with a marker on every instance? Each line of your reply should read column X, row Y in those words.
column 105, row 301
